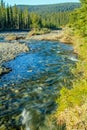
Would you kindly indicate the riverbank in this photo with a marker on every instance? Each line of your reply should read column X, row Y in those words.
column 72, row 104
column 56, row 35
column 75, row 95
column 9, row 51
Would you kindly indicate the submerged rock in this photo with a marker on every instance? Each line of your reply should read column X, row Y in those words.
column 4, row 70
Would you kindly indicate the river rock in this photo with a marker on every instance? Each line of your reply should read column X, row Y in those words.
column 14, row 37
column 9, row 51
column 56, row 35
column 4, row 70
column 66, row 39
column 10, row 37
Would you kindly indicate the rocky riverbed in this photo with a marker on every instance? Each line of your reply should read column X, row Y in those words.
column 12, row 47
column 9, row 51
column 36, row 77
column 56, row 35
column 28, row 92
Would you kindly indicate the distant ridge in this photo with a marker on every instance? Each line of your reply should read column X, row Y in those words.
column 61, row 7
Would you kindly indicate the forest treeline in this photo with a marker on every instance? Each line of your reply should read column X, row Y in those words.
column 78, row 19
column 14, row 18
column 51, row 8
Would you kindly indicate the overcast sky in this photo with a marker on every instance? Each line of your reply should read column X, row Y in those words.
column 37, row 2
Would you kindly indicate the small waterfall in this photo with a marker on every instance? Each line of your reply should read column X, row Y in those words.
column 26, row 119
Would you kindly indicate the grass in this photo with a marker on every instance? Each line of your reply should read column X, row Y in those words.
column 72, row 104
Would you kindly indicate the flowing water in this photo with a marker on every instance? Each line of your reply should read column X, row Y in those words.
column 29, row 91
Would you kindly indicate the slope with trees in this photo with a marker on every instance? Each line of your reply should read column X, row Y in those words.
column 52, row 8
column 12, row 18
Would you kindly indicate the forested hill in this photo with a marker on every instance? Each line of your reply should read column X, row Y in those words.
column 63, row 7
column 40, row 16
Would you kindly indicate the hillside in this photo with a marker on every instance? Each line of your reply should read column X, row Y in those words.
column 62, row 7
column 43, row 16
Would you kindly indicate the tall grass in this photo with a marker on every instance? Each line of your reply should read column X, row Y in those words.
column 72, row 104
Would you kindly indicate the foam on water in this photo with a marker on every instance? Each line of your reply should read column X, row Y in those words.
column 26, row 117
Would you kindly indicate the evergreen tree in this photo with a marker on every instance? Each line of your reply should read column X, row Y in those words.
column 35, row 21
column 79, row 19
column 26, row 18
column 16, row 18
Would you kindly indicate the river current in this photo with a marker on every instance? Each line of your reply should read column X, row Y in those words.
column 28, row 92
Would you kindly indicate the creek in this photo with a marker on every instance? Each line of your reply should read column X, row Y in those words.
column 29, row 91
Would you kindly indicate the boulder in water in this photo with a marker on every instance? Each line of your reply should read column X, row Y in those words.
column 4, row 70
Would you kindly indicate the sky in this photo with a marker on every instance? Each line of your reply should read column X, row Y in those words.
column 37, row 2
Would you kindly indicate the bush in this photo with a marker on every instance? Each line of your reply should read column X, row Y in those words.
column 72, row 104
column 74, row 118
column 72, row 107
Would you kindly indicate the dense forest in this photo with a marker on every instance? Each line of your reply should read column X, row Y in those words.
column 78, row 19
column 52, row 8
column 15, row 18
